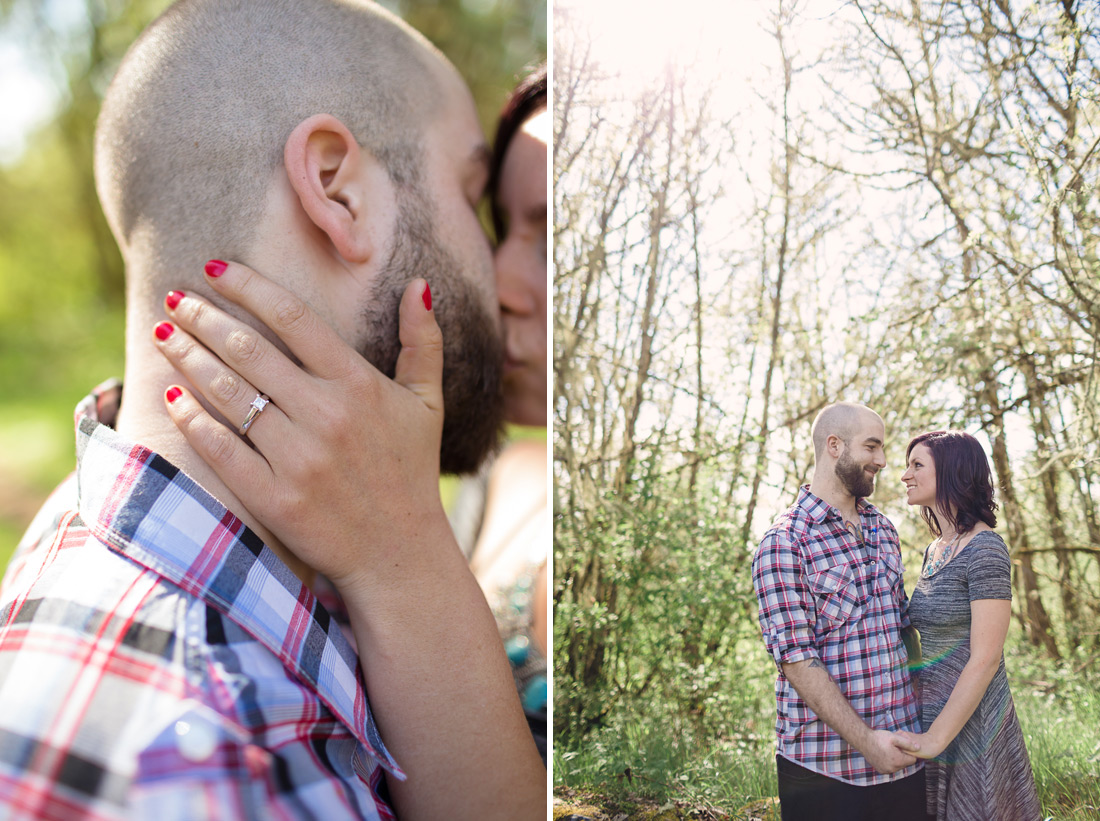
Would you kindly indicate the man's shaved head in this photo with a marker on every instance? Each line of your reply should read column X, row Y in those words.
column 843, row 419
column 195, row 121
column 204, row 149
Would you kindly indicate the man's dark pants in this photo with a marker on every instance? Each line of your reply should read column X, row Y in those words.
column 808, row 796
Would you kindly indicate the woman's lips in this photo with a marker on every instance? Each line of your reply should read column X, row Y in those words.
column 511, row 364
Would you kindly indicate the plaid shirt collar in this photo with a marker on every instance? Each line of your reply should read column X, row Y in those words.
column 150, row 511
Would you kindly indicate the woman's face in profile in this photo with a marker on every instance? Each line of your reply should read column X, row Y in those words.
column 920, row 478
column 521, row 264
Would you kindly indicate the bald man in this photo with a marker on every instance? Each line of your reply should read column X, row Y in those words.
column 162, row 655
column 828, row 579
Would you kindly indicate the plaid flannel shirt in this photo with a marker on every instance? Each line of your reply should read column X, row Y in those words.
column 157, row 661
column 825, row 594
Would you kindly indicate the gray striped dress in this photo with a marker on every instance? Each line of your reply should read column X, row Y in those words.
column 984, row 773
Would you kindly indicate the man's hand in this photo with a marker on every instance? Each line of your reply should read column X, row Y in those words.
column 889, row 752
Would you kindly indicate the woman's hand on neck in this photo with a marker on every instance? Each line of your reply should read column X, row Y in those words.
column 143, row 419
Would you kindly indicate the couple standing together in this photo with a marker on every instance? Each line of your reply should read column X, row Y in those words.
column 859, row 735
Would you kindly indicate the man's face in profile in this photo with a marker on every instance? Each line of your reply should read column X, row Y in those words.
column 856, row 476
column 862, row 458
column 438, row 236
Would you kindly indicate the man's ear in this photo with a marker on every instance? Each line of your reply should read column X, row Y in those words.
column 325, row 167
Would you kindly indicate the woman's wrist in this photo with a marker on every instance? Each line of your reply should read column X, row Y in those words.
column 934, row 743
column 420, row 564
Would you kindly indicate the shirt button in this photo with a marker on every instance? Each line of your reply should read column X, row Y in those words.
column 196, row 738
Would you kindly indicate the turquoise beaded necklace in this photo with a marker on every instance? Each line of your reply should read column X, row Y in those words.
column 945, row 556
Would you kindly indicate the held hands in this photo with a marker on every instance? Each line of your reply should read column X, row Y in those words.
column 889, row 752
column 334, row 410
column 922, row 745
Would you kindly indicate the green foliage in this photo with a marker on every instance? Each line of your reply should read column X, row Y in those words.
column 1059, row 710
column 658, row 612
column 493, row 43
column 719, row 776
column 670, row 757
column 9, row 537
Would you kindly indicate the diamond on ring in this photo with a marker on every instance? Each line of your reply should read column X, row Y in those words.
column 258, row 404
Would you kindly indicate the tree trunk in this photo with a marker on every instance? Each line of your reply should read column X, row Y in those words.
column 653, row 269
column 1039, row 631
column 777, row 297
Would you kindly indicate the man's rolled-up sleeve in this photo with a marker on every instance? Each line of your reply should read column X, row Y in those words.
column 787, row 611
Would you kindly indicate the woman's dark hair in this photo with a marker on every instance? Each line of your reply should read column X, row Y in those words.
column 527, row 100
column 963, row 479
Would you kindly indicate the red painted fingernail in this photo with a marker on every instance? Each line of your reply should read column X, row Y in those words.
column 173, row 298
column 164, row 330
column 215, row 268
column 427, row 297
column 172, row 394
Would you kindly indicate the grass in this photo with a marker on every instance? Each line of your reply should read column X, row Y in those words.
column 10, row 534
column 661, row 766
column 47, row 364
column 1060, row 715
column 647, row 757
column 661, row 758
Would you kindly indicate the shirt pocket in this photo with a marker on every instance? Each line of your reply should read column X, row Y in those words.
column 892, row 568
column 835, row 596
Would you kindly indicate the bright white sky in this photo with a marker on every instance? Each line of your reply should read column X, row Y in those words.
column 27, row 99
column 29, row 91
column 635, row 37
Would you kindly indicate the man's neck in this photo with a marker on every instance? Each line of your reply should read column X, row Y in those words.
column 144, row 420
column 828, row 488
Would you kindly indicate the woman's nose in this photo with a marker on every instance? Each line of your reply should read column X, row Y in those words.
column 514, row 295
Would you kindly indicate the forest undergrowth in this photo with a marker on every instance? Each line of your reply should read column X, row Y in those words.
column 647, row 760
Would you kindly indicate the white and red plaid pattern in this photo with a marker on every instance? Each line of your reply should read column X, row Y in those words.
column 157, row 661
column 825, row 594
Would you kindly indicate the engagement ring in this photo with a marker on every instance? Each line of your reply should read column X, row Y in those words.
column 258, row 404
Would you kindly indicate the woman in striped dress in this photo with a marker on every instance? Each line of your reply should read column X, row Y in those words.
column 978, row 766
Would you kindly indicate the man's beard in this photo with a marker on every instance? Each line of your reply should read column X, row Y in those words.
column 473, row 353
column 854, row 477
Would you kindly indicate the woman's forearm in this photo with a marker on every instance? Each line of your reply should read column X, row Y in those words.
column 442, row 691
column 963, row 701
column 988, row 627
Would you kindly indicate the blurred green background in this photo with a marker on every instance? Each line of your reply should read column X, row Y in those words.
column 61, row 279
